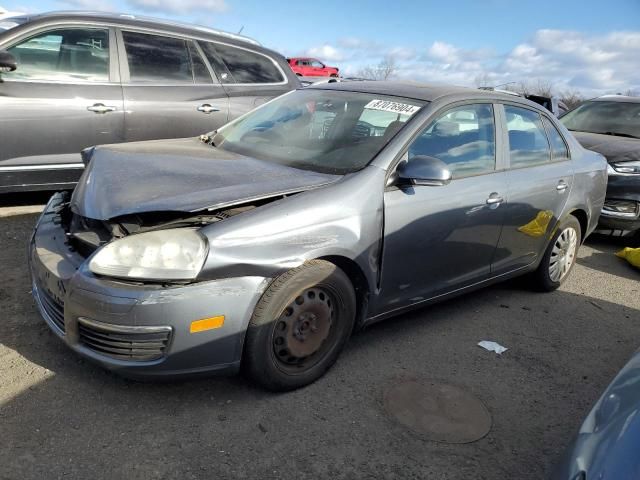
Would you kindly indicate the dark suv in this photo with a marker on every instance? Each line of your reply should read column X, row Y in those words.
column 610, row 125
column 84, row 79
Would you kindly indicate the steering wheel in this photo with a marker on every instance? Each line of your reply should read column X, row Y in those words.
column 264, row 135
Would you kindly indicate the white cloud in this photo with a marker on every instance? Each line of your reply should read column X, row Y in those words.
column 326, row 53
column 89, row 5
column 179, row 6
column 593, row 64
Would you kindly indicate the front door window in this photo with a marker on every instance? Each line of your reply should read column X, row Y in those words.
column 63, row 55
column 463, row 138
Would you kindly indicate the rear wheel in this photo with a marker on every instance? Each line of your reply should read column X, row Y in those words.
column 299, row 326
column 560, row 256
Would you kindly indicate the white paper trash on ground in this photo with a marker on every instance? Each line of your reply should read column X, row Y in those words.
column 492, row 346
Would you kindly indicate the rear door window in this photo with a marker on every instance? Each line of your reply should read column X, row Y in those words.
column 63, row 55
column 528, row 145
column 249, row 67
column 161, row 60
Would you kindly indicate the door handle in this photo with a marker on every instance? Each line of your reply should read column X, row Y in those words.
column 100, row 108
column 494, row 199
column 562, row 186
column 206, row 108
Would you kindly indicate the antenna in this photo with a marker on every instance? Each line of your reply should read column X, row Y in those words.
column 241, row 28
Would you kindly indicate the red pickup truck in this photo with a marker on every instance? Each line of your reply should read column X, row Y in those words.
column 311, row 67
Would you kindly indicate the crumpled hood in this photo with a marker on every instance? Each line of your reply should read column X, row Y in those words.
column 615, row 149
column 184, row 175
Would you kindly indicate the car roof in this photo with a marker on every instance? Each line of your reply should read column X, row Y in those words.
column 138, row 20
column 616, row 98
column 420, row 91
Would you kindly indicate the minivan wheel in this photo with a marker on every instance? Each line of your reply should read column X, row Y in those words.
column 299, row 326
column 560, row 256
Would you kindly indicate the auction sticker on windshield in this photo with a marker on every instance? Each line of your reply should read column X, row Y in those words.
column 395, row 107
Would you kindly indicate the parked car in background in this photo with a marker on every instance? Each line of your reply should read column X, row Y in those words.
column 84, row 79
column 311, row 67
column 606, row 446
column 553, row 104
column 4, row 14
column 9, row 19
column 265, row 243
column 610, row 125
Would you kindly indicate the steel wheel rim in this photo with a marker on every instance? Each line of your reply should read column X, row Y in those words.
column 563, row 254
column 303, row 333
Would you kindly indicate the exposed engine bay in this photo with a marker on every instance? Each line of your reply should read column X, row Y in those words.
column 85, row 235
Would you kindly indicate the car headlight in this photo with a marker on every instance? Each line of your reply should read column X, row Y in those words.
column 173, row 254
column 624, row 168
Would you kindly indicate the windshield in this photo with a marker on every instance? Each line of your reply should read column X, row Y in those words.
column 611, row 118
column 326, row 131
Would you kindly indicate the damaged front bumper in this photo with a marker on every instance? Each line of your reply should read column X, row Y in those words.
column 138, row 330
column 621, row 212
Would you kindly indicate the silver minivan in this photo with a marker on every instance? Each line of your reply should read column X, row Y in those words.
column 86, row 79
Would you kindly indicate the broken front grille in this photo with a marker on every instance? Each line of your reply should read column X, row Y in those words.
column 121, row 342
column 52, row 308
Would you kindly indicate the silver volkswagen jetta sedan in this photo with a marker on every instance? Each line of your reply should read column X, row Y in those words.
column 265, row 243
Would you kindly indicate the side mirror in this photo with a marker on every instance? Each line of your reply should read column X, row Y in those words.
column 7, row 62
column 424, row 170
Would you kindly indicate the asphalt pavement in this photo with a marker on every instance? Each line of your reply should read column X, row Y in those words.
column 61, row 417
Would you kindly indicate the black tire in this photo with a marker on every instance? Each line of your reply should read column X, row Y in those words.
column 277, row 345
column 542, row 277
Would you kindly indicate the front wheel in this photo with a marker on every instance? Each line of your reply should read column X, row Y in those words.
column 299, row 326
column 560, row 256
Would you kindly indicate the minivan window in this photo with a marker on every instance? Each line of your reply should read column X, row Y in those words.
column 463, row 138
column 63, row 55
column 160, row 59
column 200, row 72
column 528, row 143
column 559, row 150
column 249, row 67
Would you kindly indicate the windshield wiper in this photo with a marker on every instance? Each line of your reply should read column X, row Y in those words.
column 615, row 134
column 618, row 134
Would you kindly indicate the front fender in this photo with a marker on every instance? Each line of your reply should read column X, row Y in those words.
column 342, row 219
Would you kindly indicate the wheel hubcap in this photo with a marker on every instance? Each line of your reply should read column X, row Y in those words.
column 563, row 254
column 303, row 327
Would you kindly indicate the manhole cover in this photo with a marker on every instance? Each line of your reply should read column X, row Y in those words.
column 440, row 412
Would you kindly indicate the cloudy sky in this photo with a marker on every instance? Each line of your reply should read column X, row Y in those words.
column 587, row 45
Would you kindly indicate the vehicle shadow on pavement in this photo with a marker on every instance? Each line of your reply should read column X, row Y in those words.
column 24, row 198
column 603, row 257
column 62, row 416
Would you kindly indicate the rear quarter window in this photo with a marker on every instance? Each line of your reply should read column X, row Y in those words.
column 559, row 150
column 249, row 67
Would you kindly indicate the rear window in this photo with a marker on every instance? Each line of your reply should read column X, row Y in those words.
column 249, row 67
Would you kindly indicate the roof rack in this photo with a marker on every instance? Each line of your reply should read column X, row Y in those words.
column 200, row 28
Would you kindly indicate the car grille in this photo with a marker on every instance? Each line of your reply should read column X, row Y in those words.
column 53, row 309
column 139, row 344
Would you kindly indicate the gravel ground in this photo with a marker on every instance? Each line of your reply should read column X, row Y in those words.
column 61, row 417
